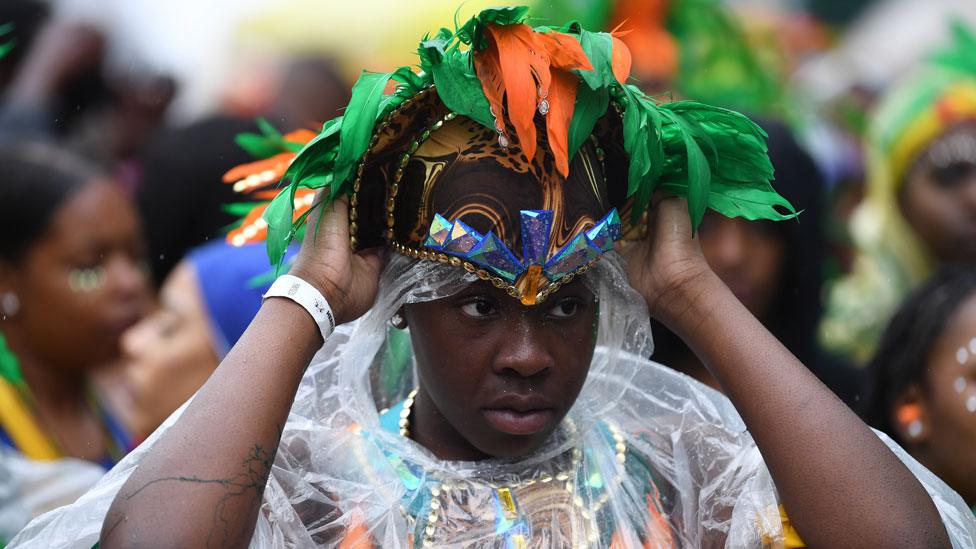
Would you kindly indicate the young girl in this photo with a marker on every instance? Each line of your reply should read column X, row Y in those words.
column 530, row 417
column 71, row 281
column 921, row 388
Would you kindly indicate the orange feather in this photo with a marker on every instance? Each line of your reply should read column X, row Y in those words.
column 517, row 61
column 302, row 136
column 562, row 100
column 489, row 71
column 565, row 52
column 277, row 163
column 620, row 60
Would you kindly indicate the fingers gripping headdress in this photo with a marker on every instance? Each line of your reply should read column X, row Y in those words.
column 510, row 153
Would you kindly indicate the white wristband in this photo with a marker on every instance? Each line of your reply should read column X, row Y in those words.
column 308, row 297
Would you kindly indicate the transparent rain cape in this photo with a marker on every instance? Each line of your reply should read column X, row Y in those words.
column 646, row 458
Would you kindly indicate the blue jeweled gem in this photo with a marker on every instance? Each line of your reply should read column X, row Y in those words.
column 536, row 228
column 599, row 235
column 494, row 255
column 613, row 223
column 440, row 229
column 462, row 239
column 572, row 256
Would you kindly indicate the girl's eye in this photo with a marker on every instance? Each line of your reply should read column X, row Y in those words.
column 479, row 308
column 566, row 308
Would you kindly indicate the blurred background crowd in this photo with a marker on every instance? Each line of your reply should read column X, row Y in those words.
column 120, row 291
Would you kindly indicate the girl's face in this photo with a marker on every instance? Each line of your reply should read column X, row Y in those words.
column 84, row 282
column 497, row 377
column 939, row 198
column 951, row 406
column 749, row 256
column 169, row 354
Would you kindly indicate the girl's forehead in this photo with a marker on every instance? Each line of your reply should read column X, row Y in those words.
column 956, row 346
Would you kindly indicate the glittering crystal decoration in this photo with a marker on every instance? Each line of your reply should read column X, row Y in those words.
column 602, row 234
column 613, row 223
column 599, row 235
column 462, row 239
column 572, row 256
column 440, row 229
column 492, row 254
column 536, row 228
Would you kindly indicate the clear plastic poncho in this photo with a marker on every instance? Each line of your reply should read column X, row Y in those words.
column 647, row 457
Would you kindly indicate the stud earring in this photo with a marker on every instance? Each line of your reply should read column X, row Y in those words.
column 397, row 321
column 910, row 416
column 914, row 428
column 9, row 304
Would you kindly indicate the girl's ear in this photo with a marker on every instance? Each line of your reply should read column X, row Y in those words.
column 910, row 416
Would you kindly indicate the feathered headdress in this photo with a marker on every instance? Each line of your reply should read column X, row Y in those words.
column 562, row 88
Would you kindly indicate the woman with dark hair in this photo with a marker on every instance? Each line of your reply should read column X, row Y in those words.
column 919, row 210
column 921, row 384
column 774, row 269
column 71, row 281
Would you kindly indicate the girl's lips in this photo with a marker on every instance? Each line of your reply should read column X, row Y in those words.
column 513, row 422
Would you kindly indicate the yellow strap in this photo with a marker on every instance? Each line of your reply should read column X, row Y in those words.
column 19, row 423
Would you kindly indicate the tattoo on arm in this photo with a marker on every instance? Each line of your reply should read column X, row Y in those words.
column 256, row 467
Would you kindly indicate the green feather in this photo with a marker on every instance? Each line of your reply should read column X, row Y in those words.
column 459, row 88
column 357, row 124
column 591, row 105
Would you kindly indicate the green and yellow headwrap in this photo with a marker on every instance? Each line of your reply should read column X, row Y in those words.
column 519, row 154
column 891, row 258
column 942, row 95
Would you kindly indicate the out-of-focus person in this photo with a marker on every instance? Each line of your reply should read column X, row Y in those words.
column 182, row 167
column 773, row 268
column 921, row 383
column 72, row 280
column 63, row 92
column 205, row 304
column 920, row 207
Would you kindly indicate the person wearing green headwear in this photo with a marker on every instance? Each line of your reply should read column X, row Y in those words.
column 920, row 206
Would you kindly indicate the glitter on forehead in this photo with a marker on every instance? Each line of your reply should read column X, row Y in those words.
column 972, row 346
column 959, row 385
column 536, row 228
column 962, row 355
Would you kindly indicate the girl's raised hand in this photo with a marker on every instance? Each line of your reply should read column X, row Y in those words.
column 348, row 280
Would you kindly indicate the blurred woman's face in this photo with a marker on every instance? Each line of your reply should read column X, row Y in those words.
column 84, row 282
column 939, row 197
column 949, row 448
column 747, row 255
column 497, row 377
column 169, row 354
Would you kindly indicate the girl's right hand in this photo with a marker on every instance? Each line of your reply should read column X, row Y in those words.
column 348, row 280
